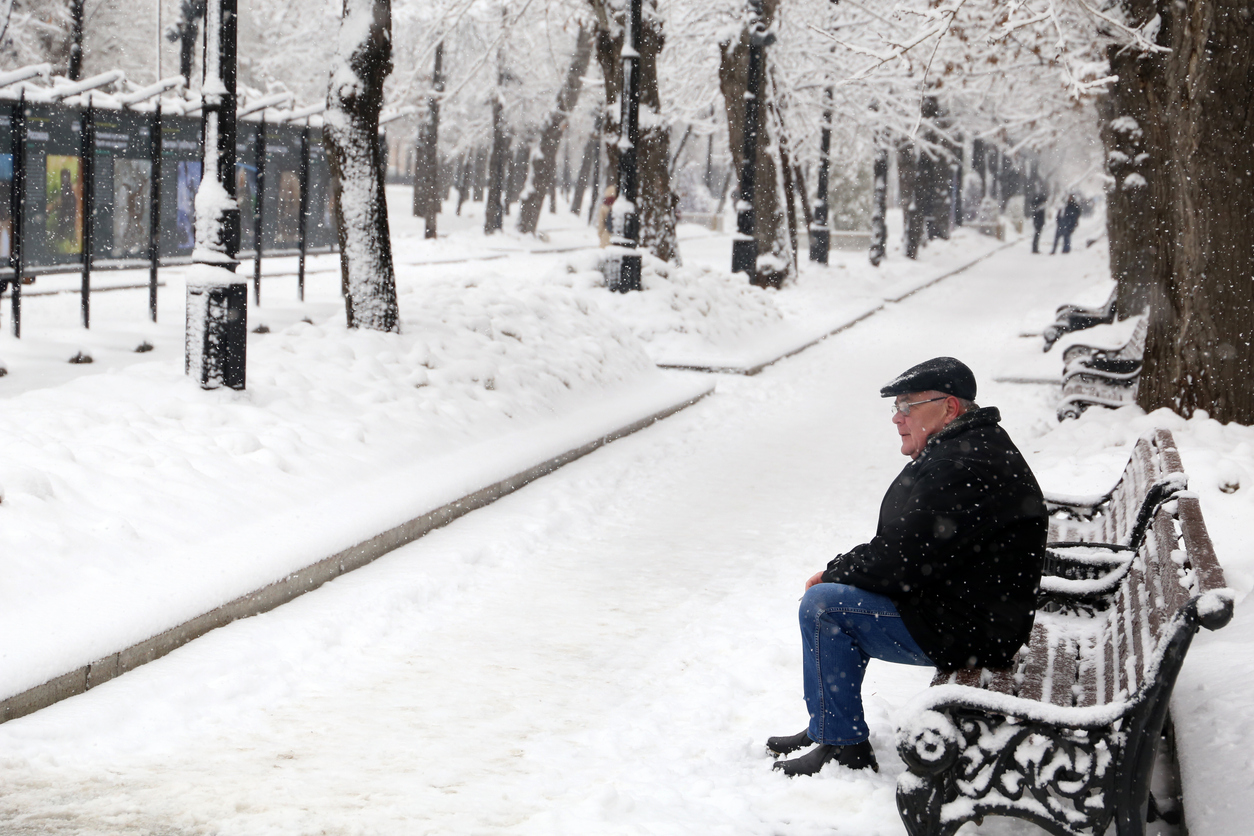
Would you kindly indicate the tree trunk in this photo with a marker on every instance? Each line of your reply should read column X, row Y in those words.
column 544, row 159
column 1139, row 224
column 879, row 207
column 656, row 201
column 517, row 177
column 493, row 212
column 351, row 131
column 771, row 227
column 1200, row 347
column 908, row 186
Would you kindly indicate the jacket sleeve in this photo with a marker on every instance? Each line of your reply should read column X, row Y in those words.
column 906, row 551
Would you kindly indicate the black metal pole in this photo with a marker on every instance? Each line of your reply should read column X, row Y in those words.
column 879, row 207
column 820, row 233
column 18, row 210
column 261, row 202
column 154, row 213
column 431, row 198
column 626, row 227
column 744, row 243
column 75, row 71
column 217, row 300
column 303, row 174
column 89, row 204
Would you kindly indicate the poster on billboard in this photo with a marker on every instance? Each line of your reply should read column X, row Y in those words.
column 6, row 207
column 188, row 174
column 64, row 192
column 132, row 201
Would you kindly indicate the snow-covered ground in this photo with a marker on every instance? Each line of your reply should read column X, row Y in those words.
column 603, row 651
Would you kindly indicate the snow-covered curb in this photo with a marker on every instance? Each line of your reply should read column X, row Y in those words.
column 784, row 343
column 472, row 478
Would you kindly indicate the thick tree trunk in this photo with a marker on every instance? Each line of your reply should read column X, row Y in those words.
column 544, row 159
column 354, row 99
column 879, row 207
column 1200, row 347
column 771, row 227
column 656, row 201
column 493, row 212
column 908, row 187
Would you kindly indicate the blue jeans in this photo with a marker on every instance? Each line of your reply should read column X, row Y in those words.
column 842, row 628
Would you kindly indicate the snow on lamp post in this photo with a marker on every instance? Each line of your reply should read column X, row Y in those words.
column 624, row 274
column 744, row 243
column 216, row 299
column 820, row 233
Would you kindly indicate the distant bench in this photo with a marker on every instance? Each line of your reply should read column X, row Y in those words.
column 1069, row 318
column 1066, row 736
column 1102, row 375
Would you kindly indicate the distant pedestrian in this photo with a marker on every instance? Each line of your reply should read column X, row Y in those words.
column 1038, row 221
column 604, row 233
column 1068, row 219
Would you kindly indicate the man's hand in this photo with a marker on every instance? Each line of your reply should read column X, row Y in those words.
column 818, row 578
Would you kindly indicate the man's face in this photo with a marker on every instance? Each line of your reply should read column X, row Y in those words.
column 923, row 420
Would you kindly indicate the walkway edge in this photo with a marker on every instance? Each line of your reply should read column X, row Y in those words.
column 280, row 592
column 749, row 371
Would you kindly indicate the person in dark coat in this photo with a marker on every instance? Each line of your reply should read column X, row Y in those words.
column 1038, row 221
column 1068, row 220
column 950, row 578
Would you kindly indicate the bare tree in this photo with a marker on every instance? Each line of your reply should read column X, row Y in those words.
column 544, row 158
column 657, row 200
column 363, row 60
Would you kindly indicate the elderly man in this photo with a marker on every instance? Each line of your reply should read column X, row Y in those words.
column 948, row 580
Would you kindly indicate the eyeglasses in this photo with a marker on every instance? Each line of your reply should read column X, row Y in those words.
column 904, row 408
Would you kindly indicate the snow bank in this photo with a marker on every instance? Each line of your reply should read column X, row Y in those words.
column 134, row 500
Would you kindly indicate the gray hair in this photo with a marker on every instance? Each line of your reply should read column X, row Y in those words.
column 967, row 406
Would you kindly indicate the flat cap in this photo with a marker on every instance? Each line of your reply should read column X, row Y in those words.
column 942, row 374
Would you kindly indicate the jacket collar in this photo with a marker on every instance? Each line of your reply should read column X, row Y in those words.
column 983, row 417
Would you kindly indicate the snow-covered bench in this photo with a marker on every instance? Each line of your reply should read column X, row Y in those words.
column 1070, row 318
column 1066, row 736
column 1120, row 515
column 1092, row 538
column 1102, row 375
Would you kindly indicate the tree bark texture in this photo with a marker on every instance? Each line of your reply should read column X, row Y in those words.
column 1139, row 196
column 544, row 158
column 355, row 97
column 908, row 187
column 772, row 229
column 1200, row 347
column 494, row 211
column 656, row 201
column 879, row 207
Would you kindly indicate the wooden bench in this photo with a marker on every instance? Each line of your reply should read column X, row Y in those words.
column 1066, row 736
column 1069, row 318
column 1101, row 376
column 1120, row 516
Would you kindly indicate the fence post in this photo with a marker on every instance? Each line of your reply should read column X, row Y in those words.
column 261, row 203
column 88, row 134
column 154, row 213
column 18, row 210
column 303, row 219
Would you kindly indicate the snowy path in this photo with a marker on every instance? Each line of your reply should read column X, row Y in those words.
column 602, row 652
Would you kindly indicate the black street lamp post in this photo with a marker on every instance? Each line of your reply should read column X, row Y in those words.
column 625, row 215
column 217, row 300
column 745, row 244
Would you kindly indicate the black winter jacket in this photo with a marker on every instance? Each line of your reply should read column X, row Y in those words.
column 959, row 546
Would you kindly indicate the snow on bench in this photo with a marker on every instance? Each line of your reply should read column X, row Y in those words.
column 1066, row 736
column 1095, row 375
column 1091, row 538
column 1069, row 318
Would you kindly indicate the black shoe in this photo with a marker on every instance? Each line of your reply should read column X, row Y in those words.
column 857, row 756
column 776, row 746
